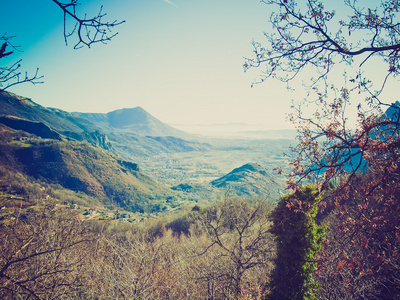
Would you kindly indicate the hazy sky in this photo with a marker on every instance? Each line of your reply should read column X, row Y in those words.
column 181, row 60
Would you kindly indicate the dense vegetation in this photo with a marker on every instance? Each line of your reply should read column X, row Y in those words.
column 216, row 252
column 299, row 239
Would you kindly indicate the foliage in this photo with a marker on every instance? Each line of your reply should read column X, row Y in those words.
column 299, row 239
column 180, row 226
column 253, row 293
column 364, row 164
column 359, row 260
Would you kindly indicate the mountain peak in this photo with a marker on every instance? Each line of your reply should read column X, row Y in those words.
column 130, row 116
column 132, row 120
column 251, row 166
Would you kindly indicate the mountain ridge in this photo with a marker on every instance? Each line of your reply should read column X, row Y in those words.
column 131, row 142
column 82, row 168
column 132, row 120
column 56, row 119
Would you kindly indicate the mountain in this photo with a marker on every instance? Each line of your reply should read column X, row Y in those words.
column 82, row 168
column 57, row 120
column 129, row 133
column 14, row 109
column 37, row 128
column 56, row 147
column 133, row 120
column 251, row 180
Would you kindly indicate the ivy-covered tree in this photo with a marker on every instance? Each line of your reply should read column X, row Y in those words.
column 299, row 239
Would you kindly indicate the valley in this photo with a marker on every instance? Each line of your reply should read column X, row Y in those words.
column 129, row 160
column 221, row 158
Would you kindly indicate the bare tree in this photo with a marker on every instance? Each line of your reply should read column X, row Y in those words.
column 12, row 75
column 132, row 265
column 239, row 246
column 43, row 256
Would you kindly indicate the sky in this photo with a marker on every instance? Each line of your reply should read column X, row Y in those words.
column 181, row 60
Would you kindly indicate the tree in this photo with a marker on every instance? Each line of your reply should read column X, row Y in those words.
column 361, row 255
column 86, row 30
column 363, row 160
column 360, row 258
column 136, row 266
column 239, row 243
column 307, row 36
column 44, row 255
column 299, row 239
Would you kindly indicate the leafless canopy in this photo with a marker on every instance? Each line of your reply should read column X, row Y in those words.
column 308, row 35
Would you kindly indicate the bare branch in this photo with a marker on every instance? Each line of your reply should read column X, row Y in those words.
column 88, row 30
column 11, row 75
column 304, row 38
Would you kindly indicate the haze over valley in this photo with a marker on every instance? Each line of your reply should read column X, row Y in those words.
column 130, row 159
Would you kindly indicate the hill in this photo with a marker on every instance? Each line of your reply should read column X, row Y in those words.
column 37, row 128
column 251, row 180
column 133, row 120
column 80, row 167
column 58, row 121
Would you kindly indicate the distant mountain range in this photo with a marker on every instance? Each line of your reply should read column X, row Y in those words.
column 46, row 144
column 58, row 120
column 128, row 120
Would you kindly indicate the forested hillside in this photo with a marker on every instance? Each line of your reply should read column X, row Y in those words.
column 82, row 168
